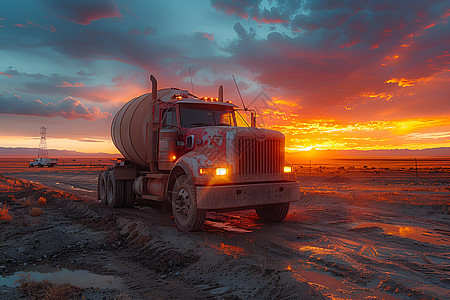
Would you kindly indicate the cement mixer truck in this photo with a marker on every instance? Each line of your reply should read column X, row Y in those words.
column 196, row 155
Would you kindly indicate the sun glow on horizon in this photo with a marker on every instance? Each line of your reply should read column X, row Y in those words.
column 413, row 134
column 80, row 145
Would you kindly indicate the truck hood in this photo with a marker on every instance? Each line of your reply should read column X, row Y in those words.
column 215, row 135
column 217, row 146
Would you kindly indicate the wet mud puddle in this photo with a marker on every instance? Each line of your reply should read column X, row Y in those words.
column 80, row 278
column 410, row 232
column 334, row 288
column 71, row 187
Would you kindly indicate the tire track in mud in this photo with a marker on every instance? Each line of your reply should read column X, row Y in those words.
column 318, row 239
column 370, row 258
column 170, row 264
column 269, row 284
column 358, row 261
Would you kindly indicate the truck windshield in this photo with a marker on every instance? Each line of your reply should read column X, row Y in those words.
column 206, row 116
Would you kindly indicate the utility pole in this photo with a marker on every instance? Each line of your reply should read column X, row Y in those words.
column 43, row 152
column 417, row 171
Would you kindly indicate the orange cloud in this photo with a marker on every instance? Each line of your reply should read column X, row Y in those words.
column 7, row 74
column 403, row 82
column 392, row 57
column 20, row 25
column 68, row 108
column 209, row 36
column 348, row 45
column 268, row 20
column 67, row 84
column 329, row 134
column 386, row 96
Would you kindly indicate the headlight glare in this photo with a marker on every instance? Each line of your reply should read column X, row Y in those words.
column 287, row 169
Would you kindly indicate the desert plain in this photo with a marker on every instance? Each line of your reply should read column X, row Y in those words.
column 362, row 229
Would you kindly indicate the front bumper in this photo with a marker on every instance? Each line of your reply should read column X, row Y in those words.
column 246, row 195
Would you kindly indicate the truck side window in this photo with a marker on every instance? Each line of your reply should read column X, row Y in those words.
column 169, row 118
column 225, row 118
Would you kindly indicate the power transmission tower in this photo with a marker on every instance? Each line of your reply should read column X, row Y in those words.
column 43, row 152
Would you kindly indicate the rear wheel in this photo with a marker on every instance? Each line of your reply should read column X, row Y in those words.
column 102, row 177
column 273, row 212
column 130, row 196
column 184, row 206
column 114, row 191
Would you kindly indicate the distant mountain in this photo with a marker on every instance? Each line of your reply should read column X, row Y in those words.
column 443, row 152
column 323, row 154
column 53, row 153
column 432, row 152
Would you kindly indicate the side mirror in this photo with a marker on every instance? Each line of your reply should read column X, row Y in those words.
column 253, row 117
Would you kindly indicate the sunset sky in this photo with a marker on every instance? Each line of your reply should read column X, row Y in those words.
column 329, row 74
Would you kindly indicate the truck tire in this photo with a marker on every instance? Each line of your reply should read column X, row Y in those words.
column 273, row 212
column 130, row 196
column 114, row 191
column 184, row 206
column 102, row 191
column 40, row 165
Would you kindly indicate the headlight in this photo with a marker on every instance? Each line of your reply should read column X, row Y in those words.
column 287, row 169
column 213, row 171
column 221, row 171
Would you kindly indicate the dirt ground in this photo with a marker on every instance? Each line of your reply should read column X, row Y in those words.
column 356, row 235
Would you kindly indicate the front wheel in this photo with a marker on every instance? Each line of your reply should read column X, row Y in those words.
column 273, row 212
column 184, row 206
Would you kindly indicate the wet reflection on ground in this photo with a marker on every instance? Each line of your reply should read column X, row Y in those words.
column 410, row 232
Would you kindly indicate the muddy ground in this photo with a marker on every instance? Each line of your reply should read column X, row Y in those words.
column 351, row 236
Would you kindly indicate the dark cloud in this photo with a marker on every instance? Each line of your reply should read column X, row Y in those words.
column 347, row 49
column 83, row 73
column 148, row 30
column 14, row 73
column 51, row 79
column 240, row 8
column 83, row 11
column 242, row 33
column 68, row 108
column 133, row 49
column 254, row 10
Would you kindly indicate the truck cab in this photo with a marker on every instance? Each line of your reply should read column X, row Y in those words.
column 196, row 155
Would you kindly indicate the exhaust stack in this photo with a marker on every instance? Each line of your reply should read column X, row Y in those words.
column 154, row 88
column 220, row 96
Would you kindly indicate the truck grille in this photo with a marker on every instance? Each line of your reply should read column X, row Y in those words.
column 259, row 157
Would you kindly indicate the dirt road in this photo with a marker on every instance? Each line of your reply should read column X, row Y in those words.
column 379, row 236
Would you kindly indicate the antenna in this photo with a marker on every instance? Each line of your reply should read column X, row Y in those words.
column 239, row 92
column 252, row 111
column 192, row 85
column 43, row 152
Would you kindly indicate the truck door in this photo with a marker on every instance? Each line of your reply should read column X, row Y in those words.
column 168, row 139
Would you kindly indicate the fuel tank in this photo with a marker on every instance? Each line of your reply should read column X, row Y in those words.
column 129, row 126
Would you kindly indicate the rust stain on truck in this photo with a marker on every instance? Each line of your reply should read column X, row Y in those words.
column 190, row 153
